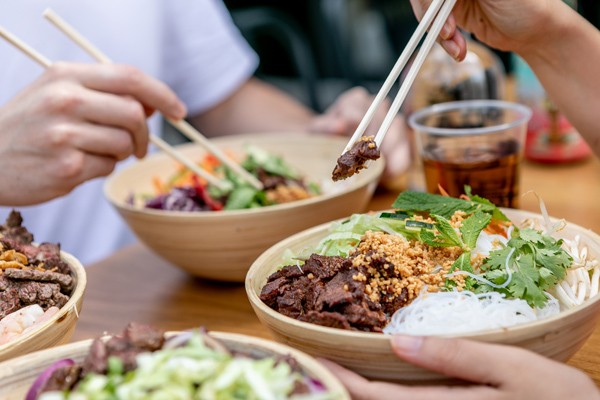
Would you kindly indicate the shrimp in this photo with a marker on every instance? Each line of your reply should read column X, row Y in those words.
column 16, row 323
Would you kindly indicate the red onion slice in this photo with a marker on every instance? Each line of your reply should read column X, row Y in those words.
column 42, row 379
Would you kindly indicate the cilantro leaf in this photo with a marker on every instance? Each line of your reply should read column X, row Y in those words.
column 537, row 263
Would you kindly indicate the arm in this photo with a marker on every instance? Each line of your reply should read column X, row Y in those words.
column 561, row 47
column 567, row 62
column 255, row 107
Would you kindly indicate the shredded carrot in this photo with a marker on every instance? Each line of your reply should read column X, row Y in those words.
column 443, row 191
column 159, row 187
column 497, row 227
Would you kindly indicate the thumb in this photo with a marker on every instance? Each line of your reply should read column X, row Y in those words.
column 463, row 359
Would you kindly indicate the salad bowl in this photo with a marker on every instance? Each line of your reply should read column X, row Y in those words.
column 18, row 375
column 59, row 328
column 370, row 353
column 221, row 245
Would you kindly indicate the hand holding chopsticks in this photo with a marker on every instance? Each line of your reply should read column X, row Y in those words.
column 46, row 63
column 181, row 125
column 438, row 8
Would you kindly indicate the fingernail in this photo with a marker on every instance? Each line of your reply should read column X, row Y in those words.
column 452, row 48
column 446, row 31
column 182, row 109
column 407, row 344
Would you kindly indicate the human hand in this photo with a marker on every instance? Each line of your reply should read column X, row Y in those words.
column 344, row 116
column 74, row 123
column 496, row 372
column 509, row 25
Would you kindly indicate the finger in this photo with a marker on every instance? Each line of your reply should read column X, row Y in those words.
column 361, row 389
column 94, row 139
column 455, row 47
column 123, row 80
column 119, row 112
column 464, row 359
column 75, row 167
column 354, row 383
column 449, row 28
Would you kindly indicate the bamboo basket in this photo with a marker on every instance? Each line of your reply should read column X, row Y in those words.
column 58, row 329
column 370, row 354
column 18, row 374
column 222, row 245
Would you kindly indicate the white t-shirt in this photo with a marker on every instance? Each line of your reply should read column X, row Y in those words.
column 191, row 45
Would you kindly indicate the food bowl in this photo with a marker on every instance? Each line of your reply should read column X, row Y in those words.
column 221, row 245
column 18, row 374
column 370, row 354
column 60, row 327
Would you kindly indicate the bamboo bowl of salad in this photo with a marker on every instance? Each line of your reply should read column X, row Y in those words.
column 55, row 330
column 221, row 245
column 23, row 377
column 558, row 335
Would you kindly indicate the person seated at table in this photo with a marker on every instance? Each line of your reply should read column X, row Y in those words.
column 76, row 121
column 564, row 51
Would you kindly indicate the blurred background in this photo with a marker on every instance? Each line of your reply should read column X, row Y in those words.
column 316, row 49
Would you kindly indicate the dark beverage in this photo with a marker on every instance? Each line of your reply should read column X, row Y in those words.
column 493, row 176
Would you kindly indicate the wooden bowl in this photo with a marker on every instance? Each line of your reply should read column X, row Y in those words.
column 370, row 354
column 18, row 374
column 222, row 245
column 58, row 329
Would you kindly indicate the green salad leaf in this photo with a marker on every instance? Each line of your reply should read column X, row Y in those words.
column 194, row 371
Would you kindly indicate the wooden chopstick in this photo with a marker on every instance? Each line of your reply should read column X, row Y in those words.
column 46, row 63
column 439, row 8
column 428, row 43
column 395, row 72
column 184, row 127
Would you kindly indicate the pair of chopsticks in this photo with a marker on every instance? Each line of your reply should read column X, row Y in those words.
column 181, row 125
column 439, row 8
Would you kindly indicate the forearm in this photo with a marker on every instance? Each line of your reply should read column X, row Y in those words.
column 567, row 64
column 254, row 107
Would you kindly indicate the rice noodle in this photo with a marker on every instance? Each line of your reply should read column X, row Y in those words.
column 460, row 312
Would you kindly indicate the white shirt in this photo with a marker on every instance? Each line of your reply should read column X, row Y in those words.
column 191, row 45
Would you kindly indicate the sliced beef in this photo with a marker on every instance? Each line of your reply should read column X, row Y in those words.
column 354, row 160
column 326, row 318
column 65, row 281
column 136, row 339
column 15, row 295
column 321, row 291
column 45, row 279
column 63, row 379
column 14, row 230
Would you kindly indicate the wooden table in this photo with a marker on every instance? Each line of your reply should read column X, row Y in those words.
column 135, row 284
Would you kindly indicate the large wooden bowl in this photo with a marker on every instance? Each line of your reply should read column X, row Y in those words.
column 370, row 354
column 58, row 329
column 222, row 245
column 18, row 374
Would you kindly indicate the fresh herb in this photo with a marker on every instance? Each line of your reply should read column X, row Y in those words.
column 440, row 205
column 537, row 263
column 444, row 235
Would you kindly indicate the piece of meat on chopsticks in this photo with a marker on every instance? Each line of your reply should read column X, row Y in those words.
column 355, row 159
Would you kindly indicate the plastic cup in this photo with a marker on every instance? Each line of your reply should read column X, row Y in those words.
column 476, row 143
